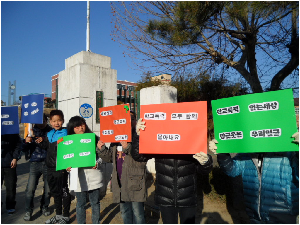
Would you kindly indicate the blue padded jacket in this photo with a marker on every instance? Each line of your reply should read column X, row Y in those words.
column 271, row 196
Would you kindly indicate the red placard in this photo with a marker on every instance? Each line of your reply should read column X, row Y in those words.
column 115, row 123
column 174, row 128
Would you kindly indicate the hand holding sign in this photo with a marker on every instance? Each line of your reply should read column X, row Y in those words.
column 140, row 126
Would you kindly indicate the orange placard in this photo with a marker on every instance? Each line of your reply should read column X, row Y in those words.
column 115, row 123
column 174, row 128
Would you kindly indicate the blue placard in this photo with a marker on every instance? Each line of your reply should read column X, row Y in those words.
column 32, row 109
column 9, row 120
column 86, row 110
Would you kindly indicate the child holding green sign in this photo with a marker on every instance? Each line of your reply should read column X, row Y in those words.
column 90, row 179
column 57, row 180
column 270, row 183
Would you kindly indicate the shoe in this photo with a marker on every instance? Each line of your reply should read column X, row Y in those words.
column 11, row 211
column 52, row 220
column 45, row 211
column 64, row 220
column 27, row 216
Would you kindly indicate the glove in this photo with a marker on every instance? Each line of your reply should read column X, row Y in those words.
column 296, row 136
column 212, row 146
column 201, row 157
column 140, row 125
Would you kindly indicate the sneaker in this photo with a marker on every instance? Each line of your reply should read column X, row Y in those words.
column 11, row 211
column 52, row 220
column 45, row 211
column 27, row 216
column 64, row 220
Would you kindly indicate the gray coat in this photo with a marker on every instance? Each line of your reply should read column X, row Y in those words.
column 132, row 187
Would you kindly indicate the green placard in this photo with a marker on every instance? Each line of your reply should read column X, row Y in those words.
column 262, row 122
column 77, row 150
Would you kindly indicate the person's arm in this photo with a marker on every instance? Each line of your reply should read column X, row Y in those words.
column 135, row 151
column 230, row 166
column 206, row 167
column 103, row 152
column 17, row 151
column 44, row 144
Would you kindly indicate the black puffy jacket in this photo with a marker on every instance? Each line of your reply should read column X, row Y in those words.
column 176, row 179
column 11, row 145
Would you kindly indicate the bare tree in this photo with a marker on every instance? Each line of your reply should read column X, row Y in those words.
column 258, row 40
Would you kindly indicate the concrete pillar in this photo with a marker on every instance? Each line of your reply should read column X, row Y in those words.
column 84, row 74
column 157, row 95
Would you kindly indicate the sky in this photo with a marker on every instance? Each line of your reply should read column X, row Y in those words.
column 37, row 37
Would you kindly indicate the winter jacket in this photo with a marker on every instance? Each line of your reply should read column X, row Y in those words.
column 132, row 187
column 50, row 145
column 89, row 179
column 176, row 177
column 271, row 196
column 11, row 147
column 36, row 153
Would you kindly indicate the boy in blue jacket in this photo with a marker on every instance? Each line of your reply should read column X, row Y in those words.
column 57, row 180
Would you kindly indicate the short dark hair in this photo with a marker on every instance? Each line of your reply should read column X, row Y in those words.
column 57, row 112
column 77, row 121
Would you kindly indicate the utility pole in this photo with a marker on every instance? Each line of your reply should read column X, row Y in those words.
column 88, row 28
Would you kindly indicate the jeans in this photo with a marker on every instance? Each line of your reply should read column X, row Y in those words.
column 9, row 175
column 132, row 212
column 94, row 196
column 169, row 215
column 37, row 169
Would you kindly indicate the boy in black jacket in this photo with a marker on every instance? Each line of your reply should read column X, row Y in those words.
column 37, row 169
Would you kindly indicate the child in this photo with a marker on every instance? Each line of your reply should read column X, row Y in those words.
column 90, row 179
column 57, row 180
column 270, row 183
column 37, row 169
column 128, row 178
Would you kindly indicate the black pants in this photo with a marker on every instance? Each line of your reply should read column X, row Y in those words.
column 9, row 175
column 58, row 184
column 169, row 215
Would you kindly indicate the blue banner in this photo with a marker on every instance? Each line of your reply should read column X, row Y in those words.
column 9, row 120
column 32, row 109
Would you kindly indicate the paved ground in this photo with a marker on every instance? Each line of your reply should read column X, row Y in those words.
column 110, row 213
column 207, row 212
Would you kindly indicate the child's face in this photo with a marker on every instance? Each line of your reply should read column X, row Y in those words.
column 80, row 129
column 56, row 122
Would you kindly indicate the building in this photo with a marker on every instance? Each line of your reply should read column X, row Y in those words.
column 124, row 88
column 54, row 83
column 164, row 78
